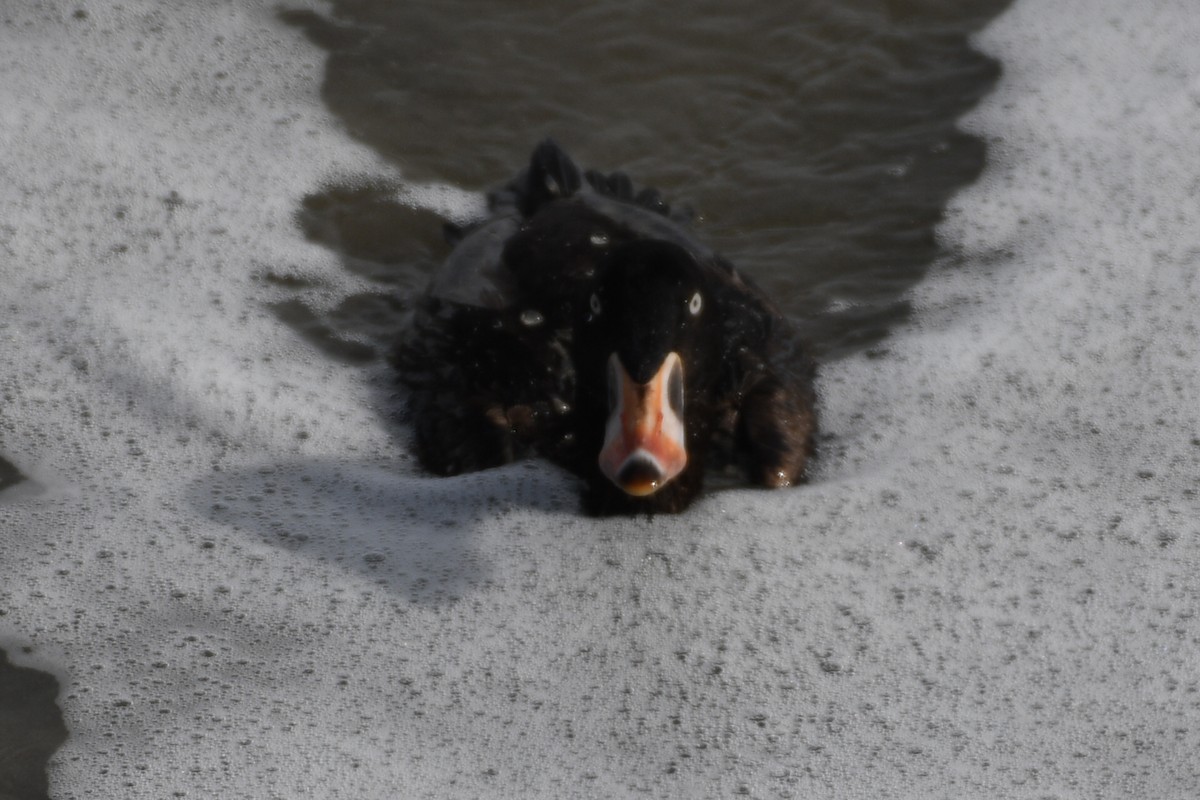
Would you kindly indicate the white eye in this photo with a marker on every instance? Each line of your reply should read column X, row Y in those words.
column 595, row 304
column 695, row 303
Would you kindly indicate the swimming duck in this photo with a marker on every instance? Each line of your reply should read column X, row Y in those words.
column 584, row 322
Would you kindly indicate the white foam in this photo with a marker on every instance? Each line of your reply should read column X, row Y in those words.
column 449, row 202
column 247, row 591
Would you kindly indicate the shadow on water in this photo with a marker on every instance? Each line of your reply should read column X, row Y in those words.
column 31, row 729
column 414, row 535
column 9, row 475
column 819, row 143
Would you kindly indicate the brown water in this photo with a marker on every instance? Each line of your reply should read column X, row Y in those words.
column 817, row 141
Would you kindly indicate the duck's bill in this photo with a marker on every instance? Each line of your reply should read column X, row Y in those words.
column 644, row 446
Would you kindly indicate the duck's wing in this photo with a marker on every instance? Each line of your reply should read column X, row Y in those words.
column 777, row 420
column 528, row 209
column 474, row 274
column 485, row 386
column 767, row 420
column 774, row 419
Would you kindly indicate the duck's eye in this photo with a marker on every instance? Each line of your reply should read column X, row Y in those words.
column 695, row 304
column 595, row 304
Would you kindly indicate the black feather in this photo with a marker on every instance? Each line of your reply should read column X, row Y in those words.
column 517, row 368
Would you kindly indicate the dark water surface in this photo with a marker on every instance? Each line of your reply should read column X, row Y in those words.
column 31, row 726
column 9, row 475
column 817, row 141
column 31, row 729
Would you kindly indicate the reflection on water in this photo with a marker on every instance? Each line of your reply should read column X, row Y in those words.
column 818, row 142
column 31, row 729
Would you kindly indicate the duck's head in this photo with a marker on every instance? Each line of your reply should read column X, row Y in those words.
column 648, row 355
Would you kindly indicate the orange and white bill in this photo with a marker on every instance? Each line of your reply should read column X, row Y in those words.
column 644, row 446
